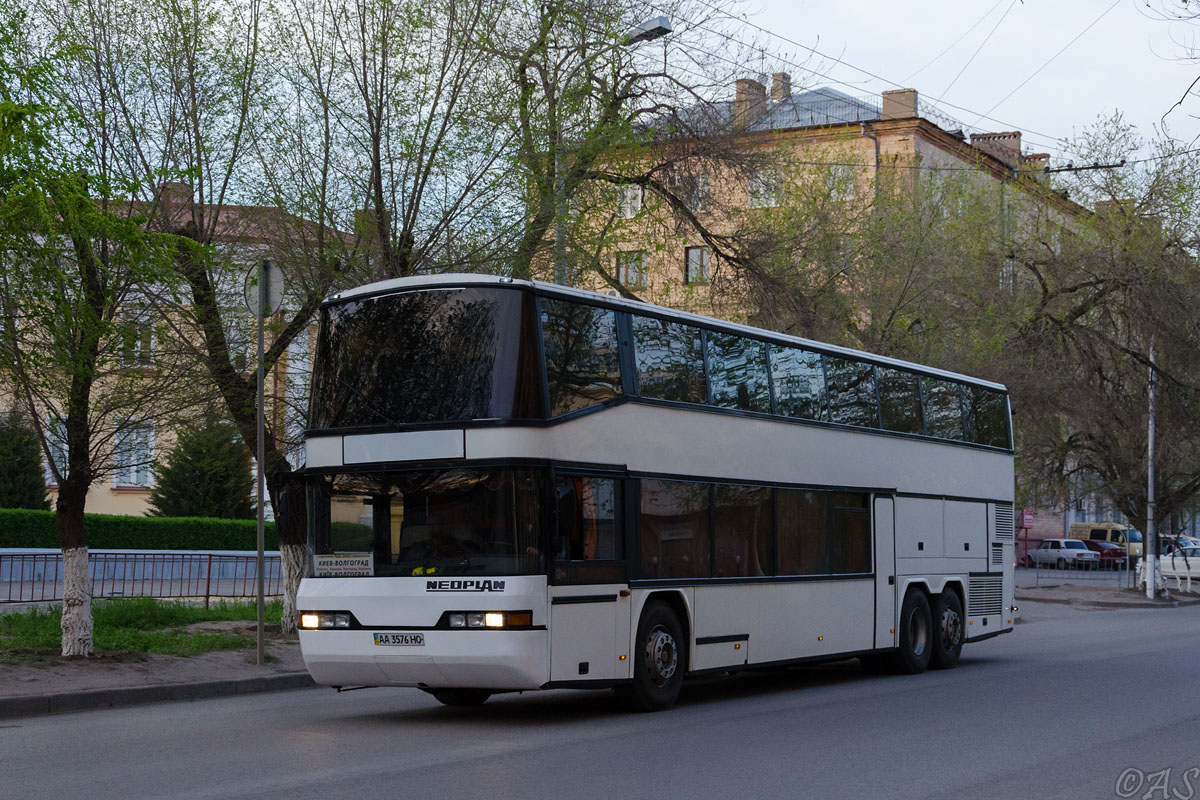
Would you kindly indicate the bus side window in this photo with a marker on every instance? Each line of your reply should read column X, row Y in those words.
column 587, row 528
column 1099, row 534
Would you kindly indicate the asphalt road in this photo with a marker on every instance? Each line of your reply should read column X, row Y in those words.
column 1069, row 703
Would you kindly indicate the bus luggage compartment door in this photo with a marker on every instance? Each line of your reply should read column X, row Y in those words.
column 589, row 632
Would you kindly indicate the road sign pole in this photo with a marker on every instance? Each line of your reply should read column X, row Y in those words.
column 260, row 425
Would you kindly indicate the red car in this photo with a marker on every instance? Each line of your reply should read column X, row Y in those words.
column 1112, row 556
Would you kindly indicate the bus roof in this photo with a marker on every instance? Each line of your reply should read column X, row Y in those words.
column 450, row 280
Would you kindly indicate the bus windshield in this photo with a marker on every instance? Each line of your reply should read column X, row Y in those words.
column 1134, row 536
column 444, row 522
column 427, row 356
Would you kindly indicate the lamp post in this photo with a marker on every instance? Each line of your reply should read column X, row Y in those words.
column 645, row 31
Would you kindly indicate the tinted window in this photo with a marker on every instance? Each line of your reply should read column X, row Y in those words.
column 1074, row 545
column 990, row 412
column 799, row 381
column 445, row 522
column 899, row 400
column 738, row 373
column 427, row 356
column 674, row 529
column 851, row 538
column 743, row 525
column 852, row 392
column 588, row 528
column 583, row 363
column 943, row 408
column 670, row 360
column 803, row 532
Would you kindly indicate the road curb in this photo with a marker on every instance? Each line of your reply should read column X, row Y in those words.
column 1074, row 601
column 37, row 705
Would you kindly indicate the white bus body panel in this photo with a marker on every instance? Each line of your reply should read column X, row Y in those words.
column 486, row 659
column 589, row 638
column 886, row 612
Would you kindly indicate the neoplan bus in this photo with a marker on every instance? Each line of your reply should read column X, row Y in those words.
column 515, row 485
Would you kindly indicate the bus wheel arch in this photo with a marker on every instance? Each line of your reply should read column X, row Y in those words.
column 660, row 654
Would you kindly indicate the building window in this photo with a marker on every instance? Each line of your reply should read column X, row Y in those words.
column 766, row 189
column 137, row 340
column 839, row 181
column 133, row 454
column 629, row 201
column 56, row 440
column 631, row 268
column 695, row 268
column 693, row 190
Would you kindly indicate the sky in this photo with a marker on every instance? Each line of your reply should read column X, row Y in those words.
column 1125, row 61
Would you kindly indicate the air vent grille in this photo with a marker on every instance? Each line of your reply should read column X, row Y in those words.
column 1002, row 522
column 985, row 596
column 997, row 555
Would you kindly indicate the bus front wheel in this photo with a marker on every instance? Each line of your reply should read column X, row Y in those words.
column 916, row 635
column 659, row 660
column 460, row 697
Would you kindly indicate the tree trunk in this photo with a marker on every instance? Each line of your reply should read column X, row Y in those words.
column 291, row 525
column 77, row 590
column 295, row 565
column 76, row 604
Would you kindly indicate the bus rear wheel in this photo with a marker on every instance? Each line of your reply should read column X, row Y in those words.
column 460, row 697
column 916, row 635
column 947, row 630
column 659, row 660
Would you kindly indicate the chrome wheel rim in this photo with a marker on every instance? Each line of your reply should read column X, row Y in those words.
column 662, row 656
column 951, row 624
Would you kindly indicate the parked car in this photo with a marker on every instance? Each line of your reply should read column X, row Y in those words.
column 1169, row 544
column 1182, row 566
column 1114, row 532
column 1062, row 553
column 1112, row 556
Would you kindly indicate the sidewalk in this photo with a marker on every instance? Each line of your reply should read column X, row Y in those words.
column 1101, row 597
column 60, row 685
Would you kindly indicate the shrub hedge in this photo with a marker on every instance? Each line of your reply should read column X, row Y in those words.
column 26, row 528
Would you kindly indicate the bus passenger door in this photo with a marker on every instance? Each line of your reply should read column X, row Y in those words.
column 589, row 603
column 885, row 573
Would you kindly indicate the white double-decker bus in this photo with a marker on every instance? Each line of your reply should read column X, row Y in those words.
column 515, row 485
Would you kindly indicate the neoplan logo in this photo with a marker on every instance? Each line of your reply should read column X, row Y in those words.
column 464, row 586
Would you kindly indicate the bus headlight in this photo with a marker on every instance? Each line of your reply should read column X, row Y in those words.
column 312, row 620
column 489, row 619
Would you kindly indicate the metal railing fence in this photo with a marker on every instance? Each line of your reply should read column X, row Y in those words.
column 31, row 577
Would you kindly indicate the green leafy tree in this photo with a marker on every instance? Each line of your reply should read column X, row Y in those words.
column 207, row 474
column 22, row 482
column 68, row 269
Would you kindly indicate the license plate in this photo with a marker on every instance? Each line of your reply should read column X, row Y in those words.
column 400, row 639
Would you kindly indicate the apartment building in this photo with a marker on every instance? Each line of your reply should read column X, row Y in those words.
column 850, row 147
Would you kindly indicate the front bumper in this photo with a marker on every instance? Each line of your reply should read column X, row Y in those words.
column 482, row 659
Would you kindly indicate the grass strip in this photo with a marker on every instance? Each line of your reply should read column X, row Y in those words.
column 135, row 625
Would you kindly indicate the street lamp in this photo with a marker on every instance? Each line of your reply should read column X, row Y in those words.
column 645, row 31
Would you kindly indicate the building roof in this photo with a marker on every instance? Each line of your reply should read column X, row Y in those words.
column 814, row 107
column 822, row 106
